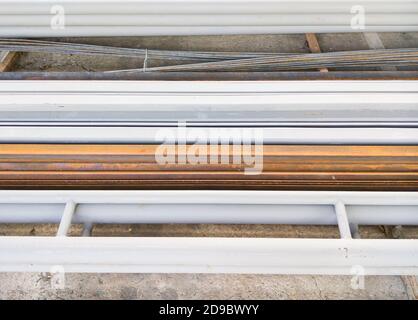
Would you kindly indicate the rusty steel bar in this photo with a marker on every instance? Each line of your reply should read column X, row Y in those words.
column 136, row 167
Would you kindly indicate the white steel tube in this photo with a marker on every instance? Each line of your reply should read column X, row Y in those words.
column 66, row 219
column 342, row 219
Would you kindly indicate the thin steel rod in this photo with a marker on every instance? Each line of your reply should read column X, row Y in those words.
column 362, row 58
column 244, row 61
column 66, row 219
column 27, row 45
column 342, row 218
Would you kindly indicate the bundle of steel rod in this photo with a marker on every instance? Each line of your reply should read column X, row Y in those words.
column 135, row 167
column 342, row 59
column 34, row 18
column 227, row 61
column 27, row 45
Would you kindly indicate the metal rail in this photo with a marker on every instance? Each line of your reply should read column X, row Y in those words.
column 211, row 76
column 55, row 166
column 208, row 255
column 294, row 112
column 30, row 18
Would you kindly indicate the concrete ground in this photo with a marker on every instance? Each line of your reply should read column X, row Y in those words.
column 203, row 286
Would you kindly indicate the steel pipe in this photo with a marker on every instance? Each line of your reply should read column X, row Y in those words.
column 129, row 31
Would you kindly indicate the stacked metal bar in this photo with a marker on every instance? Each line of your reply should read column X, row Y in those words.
column 297, row 113
column 27, row 45
column 335, row 60
column 294, row 112
column 227, row 61
column 282, row 168
column 32, row 18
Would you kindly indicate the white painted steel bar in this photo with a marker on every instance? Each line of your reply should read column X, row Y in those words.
column 299, row 112
column 117, row 31
column 206, row 101
column 224, row 207
column 204, row 6
column 209, row 197
column 106, row 134
column 209, row 255
column 342, row 219
column 66, row 219
column 194, row 17
column 183, row 20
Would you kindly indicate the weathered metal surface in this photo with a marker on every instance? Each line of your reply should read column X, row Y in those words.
column 283, row 167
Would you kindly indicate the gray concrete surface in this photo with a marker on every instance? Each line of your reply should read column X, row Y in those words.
column 202, row 286
column 197, row 286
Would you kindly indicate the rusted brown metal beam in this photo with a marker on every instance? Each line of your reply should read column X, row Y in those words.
column 135, row 167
